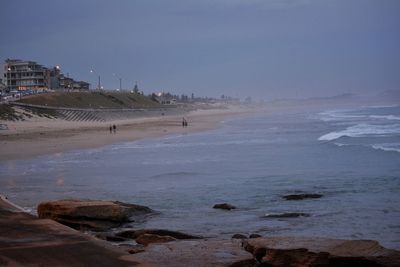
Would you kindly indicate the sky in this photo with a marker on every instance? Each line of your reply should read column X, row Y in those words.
column 266, row 49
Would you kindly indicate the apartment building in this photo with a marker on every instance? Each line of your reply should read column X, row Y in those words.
column 25, row 75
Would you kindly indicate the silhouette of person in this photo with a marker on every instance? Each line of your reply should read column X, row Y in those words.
column 114, row 128
column 111, row 129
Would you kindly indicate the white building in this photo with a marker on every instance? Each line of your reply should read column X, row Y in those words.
column 25, row 75
column 19, row 75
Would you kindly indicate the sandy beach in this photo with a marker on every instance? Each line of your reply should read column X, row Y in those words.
column 42, row 136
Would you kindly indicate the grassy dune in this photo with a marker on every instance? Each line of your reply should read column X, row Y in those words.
column 113, row 100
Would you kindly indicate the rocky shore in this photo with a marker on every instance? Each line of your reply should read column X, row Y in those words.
column 28, row 240
column 91, row 214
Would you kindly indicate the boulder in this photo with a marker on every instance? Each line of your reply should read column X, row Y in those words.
column 255, row 236
column 304, row 252
column 147, row 239
column 302, row 196
column 239, row 236
column 94, row 215
column 133, row 234
column 224, row 206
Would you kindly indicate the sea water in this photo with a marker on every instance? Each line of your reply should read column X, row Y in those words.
column 351, row 157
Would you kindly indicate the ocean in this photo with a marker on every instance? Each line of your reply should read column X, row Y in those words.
column 350, row 156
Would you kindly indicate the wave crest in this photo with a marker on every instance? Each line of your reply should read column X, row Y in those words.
column 363, row 130
column 387, row 147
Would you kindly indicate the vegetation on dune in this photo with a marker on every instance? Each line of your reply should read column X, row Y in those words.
column 10, row 113
column 46, row 113
column 7, row 113
column 112, row 100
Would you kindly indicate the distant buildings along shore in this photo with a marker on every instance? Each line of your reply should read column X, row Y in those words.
column 21, row 75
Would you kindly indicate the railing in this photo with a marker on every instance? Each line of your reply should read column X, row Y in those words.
column 104, row 114
column 31, row 70
column 92, row 109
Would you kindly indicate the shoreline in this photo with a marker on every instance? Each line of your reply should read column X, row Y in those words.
column 28, row 139
column 42, row 136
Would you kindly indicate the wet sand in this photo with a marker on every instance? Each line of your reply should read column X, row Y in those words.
column 38, row 137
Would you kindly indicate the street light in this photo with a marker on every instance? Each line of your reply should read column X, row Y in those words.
column 9, row 78
column 99, row 84
column 120, row 81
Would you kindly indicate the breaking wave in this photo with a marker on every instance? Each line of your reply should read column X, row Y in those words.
column 363, row 130
column 388, row 147
column 387, row 117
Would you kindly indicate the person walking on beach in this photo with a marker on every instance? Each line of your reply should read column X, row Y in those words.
column 184, row 122
column 114, row 128
column 111, row 129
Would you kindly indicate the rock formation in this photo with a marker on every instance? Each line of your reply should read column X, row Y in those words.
column 199, row 253
column 147, row 239
column 133, row 234
column 224, row 206
column 271, row 252
column 91, row 214
column 239, row 236
column 304, row 252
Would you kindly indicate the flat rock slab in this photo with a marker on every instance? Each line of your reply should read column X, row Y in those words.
column 147, row 239
column 133, row 234
column 271, row 252
column 302, row 251
column 26, row 240
column 91, row 214
column 199, row 253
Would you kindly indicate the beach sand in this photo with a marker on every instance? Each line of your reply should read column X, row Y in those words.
column 42, row 136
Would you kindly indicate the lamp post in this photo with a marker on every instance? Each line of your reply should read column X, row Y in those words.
column 120, row 81
column 99, row 84
column 8, row 78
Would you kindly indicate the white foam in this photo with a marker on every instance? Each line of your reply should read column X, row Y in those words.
column 338, row 115
column 387, row 147
column 383, row 106
column 174, row 144
column 387, row 117
column 363, row 130
column 340, row 144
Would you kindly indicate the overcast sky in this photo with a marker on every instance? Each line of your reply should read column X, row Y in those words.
column 265, row 48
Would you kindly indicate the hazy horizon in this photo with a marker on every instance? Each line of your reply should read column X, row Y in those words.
column 261, row 48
